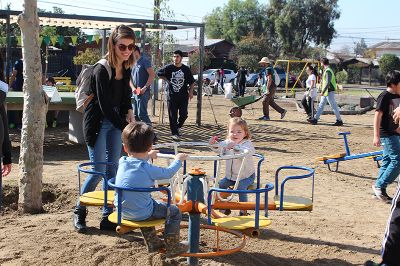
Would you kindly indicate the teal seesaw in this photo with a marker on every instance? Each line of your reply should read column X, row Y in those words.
column 347, row 156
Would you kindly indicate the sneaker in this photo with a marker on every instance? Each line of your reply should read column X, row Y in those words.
column 283, row 114
column 226, row 211
column 338, row 123
column 175, row 137
column 264, row 118
column 381, row 194
column 106, row 225
column 179, row 131
column 370, row 263
column 313, row 121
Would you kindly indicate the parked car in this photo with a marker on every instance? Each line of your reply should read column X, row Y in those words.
column 230, row 75
column 282, row 75
column 251, row 80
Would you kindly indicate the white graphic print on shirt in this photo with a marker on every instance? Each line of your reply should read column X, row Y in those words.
column 177, row 80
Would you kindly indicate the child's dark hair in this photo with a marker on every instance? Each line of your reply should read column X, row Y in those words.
column 138, row 137
column 392, row 78
column 51, row 80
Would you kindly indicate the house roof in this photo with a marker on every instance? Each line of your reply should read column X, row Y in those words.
column 386, row 45
column 190, row 45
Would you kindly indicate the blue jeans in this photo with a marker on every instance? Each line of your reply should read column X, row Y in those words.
column 173, row 222
column 140, row 107
column 390, row 167
column 107, row 149
column 243, row 185
column 332, row 102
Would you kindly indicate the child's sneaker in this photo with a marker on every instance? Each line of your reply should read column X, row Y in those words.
column 381, row 194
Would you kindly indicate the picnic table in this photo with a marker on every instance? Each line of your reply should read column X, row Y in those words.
column 15, row 101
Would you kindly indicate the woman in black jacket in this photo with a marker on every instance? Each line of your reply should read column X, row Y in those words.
column 107, row 114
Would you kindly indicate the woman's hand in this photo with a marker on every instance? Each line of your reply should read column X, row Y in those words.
column 5, row 169
column 130, row 116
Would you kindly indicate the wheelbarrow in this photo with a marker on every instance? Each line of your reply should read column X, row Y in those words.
column 241, row 103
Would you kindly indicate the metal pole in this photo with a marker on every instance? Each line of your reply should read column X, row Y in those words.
column 200, row 81
column 194, row 193
column 8, row 48
column 103, row 43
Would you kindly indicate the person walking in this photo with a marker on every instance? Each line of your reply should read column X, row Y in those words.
column 142, row 78
column 16, row 83
column 270, row 89
column 310, row 93
column 327, row 94
column 241, row 81
column 106, row 115
column 179, row 91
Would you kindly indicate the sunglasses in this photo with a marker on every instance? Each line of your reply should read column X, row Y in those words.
column 123, row 47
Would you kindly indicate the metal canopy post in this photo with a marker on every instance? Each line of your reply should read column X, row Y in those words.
column 103, row 42
column 200, row 79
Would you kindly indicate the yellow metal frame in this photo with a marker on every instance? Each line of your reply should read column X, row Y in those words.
column 288, row 62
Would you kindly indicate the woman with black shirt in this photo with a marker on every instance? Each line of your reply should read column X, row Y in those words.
column 106, row 115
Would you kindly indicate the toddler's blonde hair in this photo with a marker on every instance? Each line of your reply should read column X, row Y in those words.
column 242, row 123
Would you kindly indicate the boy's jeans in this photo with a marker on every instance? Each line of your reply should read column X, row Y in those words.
column 243, row 185
column 332, row 102
column 107, row 149
column 172, row 225
column 390, row 167
column 139, row 105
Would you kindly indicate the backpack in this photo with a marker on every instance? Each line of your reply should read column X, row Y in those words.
column 83, row 92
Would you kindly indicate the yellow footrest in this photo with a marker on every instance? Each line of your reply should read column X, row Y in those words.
column 96, row 198
column 113, row 217
column 332, row 156
column 241, row 222
column 294, row 203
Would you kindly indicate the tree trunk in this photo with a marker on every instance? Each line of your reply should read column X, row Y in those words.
column 33, row 119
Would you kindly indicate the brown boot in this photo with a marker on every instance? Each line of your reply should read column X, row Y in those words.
column 152, row 241
column 174, row 247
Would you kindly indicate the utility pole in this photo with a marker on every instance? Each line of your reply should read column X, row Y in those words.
column 157, row 12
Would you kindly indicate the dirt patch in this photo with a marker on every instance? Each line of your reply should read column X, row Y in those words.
column 53, row 197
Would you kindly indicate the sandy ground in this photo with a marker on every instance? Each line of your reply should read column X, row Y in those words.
column 345, row 227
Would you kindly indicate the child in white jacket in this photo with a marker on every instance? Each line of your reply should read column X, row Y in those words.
column 238, row 136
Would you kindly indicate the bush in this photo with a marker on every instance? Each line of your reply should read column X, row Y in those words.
column 353, row 75
column 89, row 56
column 341, row 77
column 389, row 62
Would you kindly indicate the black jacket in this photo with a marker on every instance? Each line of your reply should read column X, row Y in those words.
column 5, row 143
column 100, row 107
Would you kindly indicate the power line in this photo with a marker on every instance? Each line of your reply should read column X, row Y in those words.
column 93, row 9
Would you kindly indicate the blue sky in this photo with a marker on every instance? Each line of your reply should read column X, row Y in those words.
column 373, row 20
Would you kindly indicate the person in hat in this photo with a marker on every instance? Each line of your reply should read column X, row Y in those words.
column 268, row 82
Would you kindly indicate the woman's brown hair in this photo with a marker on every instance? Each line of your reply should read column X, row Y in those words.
column 120, row 32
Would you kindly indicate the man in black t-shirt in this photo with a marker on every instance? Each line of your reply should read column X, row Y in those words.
column 241, row 81
column 386, row 132
column 179, row 91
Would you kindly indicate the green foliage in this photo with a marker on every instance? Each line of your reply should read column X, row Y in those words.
column 353, row 75
column 236, row 19
column 194, row 60
column 299, row 22
column 251, row 49
column 360, row 48
column 389, row 62
column 341, row 77
column 90, row 56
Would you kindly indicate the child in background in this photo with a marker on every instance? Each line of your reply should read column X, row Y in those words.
column 238, row 136
column 134, row 170
column 386, row 132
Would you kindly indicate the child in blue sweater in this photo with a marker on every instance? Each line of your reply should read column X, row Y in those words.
column 134, row 170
